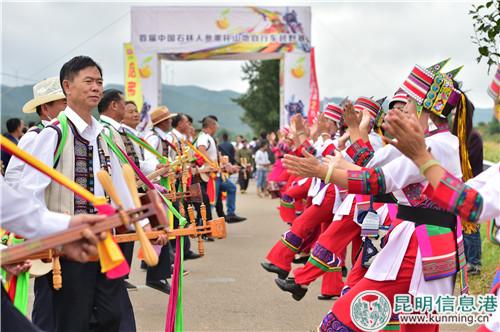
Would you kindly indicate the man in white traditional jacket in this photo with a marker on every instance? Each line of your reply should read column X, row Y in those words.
column 74, row 146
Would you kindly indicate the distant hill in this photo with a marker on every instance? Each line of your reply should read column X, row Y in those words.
column 480, row 114
column 195, row 101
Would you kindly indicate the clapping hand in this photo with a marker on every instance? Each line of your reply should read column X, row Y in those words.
column 364, row 124
column 322, row 124
column 351, row 118
column 407, row 132
column 298, row 123
column 342, row 140
column 308, row 166
column 271, row 137
column 337, row 160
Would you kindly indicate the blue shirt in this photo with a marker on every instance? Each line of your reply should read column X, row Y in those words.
column 5, row 155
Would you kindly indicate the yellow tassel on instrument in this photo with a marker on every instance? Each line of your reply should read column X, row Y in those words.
column 110, row 254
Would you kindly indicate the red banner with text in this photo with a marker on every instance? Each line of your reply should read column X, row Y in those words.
column 314, row 99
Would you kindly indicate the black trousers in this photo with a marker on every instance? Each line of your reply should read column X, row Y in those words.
column 206, row 201
column 241, row 179
column 127, row 249
column 163, row 270
column 187, row 241
column 87, row 301
column 12, row 320
column 127, row 323
column 43, row 314
column 219, row 206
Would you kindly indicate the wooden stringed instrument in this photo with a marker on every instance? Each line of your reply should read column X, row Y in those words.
column 32, row 247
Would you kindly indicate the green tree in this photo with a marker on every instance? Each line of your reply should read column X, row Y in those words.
column 262, row 100
column 486, row 22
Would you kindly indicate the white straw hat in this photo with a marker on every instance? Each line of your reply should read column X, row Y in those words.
column 44, row 92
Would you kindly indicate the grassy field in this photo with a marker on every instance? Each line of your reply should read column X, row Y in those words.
column 490, row 256
column 481, row 284
column 492, row 150
column 491, row 144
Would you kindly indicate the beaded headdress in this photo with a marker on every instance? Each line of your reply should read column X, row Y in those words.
column 494, row 92
column 432, row 89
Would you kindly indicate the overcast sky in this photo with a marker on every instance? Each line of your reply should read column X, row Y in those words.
column 362, row 48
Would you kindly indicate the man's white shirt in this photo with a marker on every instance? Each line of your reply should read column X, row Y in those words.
column 33, row 183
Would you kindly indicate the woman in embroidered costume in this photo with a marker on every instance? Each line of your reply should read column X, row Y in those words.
column 307, row 227
column 278, row 176
column 477, row 200
column 328, row 253
column 411, row 261
column 327, row 199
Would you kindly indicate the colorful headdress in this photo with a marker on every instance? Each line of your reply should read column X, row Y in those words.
column 494, row 92
column 372, row 106
column 333, row 112
column 399, row 96
column 379, row 120
column 432, row 89
column 494, row 88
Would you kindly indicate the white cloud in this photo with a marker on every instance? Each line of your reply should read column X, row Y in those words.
column 362, row 48
column 368, row 49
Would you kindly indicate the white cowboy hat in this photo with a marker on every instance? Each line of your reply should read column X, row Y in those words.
column 44, row 92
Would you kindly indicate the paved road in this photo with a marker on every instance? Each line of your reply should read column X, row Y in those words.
column 227, row 290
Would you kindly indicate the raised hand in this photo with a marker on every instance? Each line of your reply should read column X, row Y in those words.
column 314, row 129
column 293, row 120
column 351, row 119
column 408, row 134
column 322, row 124
column 298, row 122
column 340, row 163
column 271, row 137
column 308, row 166
column 342, row 140
column 364, row 124
column 337, row 160
column 281, row 134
